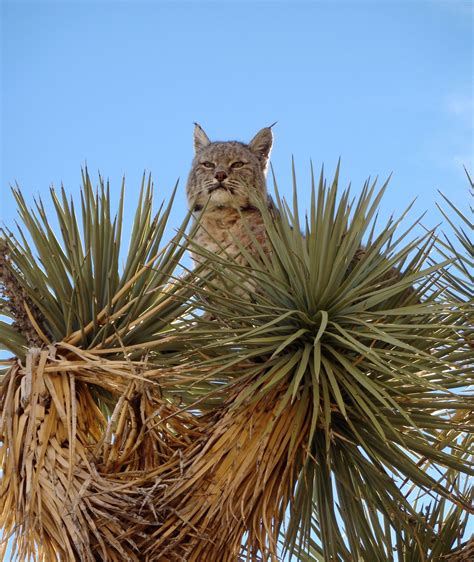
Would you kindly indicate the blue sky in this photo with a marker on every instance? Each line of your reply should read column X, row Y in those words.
column 386, row 86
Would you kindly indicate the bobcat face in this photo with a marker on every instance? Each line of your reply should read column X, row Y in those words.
column 228, row 174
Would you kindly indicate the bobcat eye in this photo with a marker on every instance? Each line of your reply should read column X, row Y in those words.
column 237, row 164
column 208, row 165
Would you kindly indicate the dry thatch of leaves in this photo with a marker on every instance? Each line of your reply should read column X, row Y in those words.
column 152, row 482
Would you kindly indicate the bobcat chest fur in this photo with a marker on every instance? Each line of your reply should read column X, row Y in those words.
column 221, row 228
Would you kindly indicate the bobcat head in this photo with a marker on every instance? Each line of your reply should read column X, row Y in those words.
column 228, row 174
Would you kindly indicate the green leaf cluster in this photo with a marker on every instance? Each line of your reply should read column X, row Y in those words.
column 76, row 279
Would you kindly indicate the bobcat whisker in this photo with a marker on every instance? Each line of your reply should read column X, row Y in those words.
column 221, row 186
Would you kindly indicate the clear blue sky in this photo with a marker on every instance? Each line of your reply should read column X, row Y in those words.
column 388, row 86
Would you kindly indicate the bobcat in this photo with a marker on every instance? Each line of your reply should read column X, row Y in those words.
column 224, row 180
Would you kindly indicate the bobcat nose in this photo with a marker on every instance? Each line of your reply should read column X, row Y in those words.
column 220, row 176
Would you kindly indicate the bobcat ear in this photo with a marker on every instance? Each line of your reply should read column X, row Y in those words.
column 201, row 140
column 261, row 145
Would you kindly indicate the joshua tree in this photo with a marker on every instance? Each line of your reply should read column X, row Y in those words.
column 152, row 413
